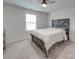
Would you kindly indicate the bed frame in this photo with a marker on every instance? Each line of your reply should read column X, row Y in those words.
column 59, row 23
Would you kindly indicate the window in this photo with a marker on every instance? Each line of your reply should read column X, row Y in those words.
column 30, row 22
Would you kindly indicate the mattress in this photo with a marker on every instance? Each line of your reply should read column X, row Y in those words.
column 50, row 36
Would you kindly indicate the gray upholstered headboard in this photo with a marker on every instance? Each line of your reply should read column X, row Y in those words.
column 62, row 23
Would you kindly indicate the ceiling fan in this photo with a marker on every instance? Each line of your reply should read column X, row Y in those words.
column 45, row 2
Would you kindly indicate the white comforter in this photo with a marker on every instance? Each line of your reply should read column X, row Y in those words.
column 50, row 36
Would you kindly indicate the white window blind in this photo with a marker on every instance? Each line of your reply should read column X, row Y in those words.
column 30, row 22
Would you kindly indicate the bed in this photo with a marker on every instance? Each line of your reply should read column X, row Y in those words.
column 45, row 38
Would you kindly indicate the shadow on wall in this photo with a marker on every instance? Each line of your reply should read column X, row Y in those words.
column 72, row 35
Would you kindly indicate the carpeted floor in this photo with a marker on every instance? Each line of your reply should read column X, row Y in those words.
column 28, row 50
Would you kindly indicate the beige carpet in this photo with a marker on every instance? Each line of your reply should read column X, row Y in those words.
column 27, row 50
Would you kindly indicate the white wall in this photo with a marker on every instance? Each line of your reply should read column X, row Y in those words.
column 14, row 22
column 65, row 13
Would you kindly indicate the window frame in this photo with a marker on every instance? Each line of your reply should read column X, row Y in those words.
column 31, row 22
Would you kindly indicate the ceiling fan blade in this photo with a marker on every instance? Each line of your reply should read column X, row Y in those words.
column 39, row 1
column 50, row 1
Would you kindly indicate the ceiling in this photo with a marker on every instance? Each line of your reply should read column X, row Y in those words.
column 36, row 5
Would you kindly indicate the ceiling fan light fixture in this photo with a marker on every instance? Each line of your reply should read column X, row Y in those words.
column 44, row 3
